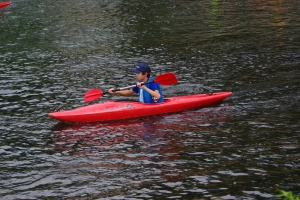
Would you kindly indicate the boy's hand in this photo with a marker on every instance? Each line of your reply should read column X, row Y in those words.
column 111, row 90
column 140, row 85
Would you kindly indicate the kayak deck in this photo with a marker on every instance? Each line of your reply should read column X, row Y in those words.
column 111, row 110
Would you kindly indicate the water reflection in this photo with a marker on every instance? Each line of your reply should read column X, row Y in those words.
column 137, row 154
column 147, row 130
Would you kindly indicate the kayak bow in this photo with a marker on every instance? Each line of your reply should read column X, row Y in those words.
column 3, row 4
column 112, row 110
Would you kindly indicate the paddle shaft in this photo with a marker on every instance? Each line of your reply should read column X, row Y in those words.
column 163, row 79
column 127, row 88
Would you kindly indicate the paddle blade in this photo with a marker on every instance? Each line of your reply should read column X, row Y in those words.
column 92, row 95
column 166, row 79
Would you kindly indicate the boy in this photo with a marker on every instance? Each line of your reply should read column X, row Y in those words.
column 148, row 93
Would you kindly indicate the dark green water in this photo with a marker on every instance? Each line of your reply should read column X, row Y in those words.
column 246, row 147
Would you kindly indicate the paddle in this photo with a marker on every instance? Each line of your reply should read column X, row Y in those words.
column 163, row 79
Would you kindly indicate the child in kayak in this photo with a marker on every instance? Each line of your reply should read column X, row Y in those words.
column 148, row 93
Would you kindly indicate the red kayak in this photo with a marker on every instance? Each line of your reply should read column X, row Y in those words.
column 3, row 4
column 112, row 110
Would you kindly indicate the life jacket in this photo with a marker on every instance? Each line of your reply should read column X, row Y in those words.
column 147, row 97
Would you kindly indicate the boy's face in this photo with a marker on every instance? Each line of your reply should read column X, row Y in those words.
column 141, row 76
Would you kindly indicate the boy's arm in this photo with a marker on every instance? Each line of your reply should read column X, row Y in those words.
column 153, row 93
column 122, row 92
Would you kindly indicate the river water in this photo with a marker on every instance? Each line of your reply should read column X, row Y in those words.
column 246, row 147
